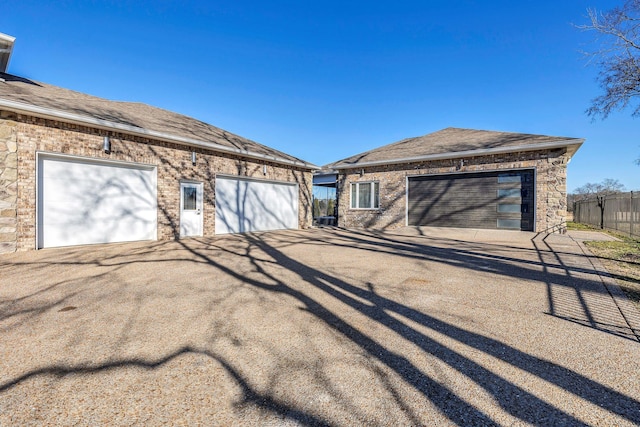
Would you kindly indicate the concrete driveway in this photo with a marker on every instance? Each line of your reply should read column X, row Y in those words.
column 317, row 327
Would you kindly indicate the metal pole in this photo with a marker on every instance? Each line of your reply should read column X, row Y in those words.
column 601, row 206
column 616, row 226
column 326, row 196
column 632, row 214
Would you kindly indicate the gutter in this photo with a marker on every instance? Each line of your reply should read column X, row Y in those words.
column 78, row 119
column 6, row 46
column 467, row 153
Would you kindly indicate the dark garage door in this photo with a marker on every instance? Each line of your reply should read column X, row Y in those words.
column 497, row 200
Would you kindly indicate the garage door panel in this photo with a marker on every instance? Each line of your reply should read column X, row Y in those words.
column 85, row 202
column 248, row 205
column 474, row 200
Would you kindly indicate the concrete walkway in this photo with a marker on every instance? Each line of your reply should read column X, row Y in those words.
column 317, row 327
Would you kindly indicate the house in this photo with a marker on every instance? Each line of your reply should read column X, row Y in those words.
column 76, row 169
column 456, row 178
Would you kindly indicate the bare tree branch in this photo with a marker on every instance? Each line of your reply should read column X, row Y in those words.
column 618, row 57
column 606, row 187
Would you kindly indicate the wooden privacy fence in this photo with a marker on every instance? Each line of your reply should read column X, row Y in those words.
column 619, row 212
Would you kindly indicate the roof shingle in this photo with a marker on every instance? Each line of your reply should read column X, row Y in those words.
column 453, row 142
column 133, row 114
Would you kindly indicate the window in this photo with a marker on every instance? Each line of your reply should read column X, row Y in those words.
column 365, row 195
column 509, row 192
column 190, row 196
column 509, row 208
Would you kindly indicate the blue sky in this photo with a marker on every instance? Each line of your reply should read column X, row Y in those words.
column 326, row 80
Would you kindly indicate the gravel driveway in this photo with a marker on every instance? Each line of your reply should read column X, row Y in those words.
column 317, row 327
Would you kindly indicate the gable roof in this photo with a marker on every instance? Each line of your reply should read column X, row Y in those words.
column 452, row 143
column 42, row 100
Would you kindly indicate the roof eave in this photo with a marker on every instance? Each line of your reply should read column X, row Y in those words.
column 572, row 146
column 6, row 47
column 54, row 114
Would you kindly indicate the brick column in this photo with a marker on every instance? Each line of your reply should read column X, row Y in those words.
column 8, row 185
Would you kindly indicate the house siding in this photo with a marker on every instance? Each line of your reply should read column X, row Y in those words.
column 27, row 135
column 550, row 187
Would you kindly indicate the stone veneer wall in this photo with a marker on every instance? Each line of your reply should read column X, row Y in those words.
column 551, row 191
column 173, row 164
column 8, row 185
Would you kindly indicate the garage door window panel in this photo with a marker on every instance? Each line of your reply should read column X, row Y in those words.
column 365, row 195
column 509, row 192
column 509, row 208
column 504, row 179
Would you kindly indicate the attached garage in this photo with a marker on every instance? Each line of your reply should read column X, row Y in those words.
column 493, row 200
column 246, row 205
column 76, row 169
column 458, row 178
column 85, row 201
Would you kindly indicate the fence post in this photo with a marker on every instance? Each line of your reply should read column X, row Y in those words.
column 601, row 206
column 631, row 214
column 616, row 213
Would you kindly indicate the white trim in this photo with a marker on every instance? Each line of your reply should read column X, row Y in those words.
column 121, row 163
column 7, row 38
column 373, row 197
column 467, row 153
column 256, row 179
column 5, row 51
column 406, row 201
column 54, row 114
column 189, row 181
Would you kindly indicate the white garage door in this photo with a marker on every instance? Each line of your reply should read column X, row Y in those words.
column 85, row 201
column 244, row 205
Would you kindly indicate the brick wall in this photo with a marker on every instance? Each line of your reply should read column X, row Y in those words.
column 173, row 164
column 550, row 166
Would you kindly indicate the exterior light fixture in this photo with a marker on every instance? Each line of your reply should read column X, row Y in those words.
column 361, row 172
column 193, row 158
column 264, row 169
column 106, row 145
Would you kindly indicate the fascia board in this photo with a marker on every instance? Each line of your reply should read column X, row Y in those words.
column 6, row 46
column 468, row 153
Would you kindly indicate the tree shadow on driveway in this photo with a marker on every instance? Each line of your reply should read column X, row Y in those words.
column 417, row 357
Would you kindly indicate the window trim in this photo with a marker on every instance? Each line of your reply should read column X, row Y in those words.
column 356, row 197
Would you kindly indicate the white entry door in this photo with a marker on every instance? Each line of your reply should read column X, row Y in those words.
column 190, row 209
